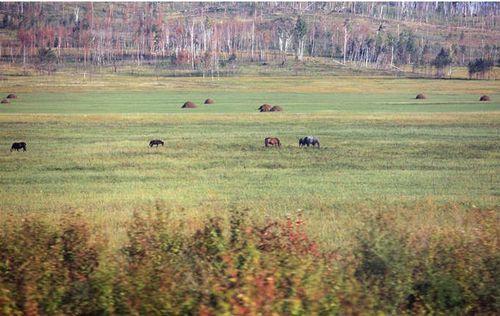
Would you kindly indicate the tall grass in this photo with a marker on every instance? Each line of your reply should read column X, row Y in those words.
column 241, row 267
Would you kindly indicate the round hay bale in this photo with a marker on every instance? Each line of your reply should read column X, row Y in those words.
column 265, row 107
column 209, row 101
column 421, row 96
column 4, row 101
column 276, row 108
column 12, row 96
column 189, row 105
column 485, row 98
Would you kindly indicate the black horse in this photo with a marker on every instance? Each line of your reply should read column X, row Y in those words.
column 17, row 146
column 308, row 141
column 156, row 142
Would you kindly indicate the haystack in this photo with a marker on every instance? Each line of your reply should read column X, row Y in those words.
column 421, row 96
column 265, row 107
column 276, row 108
column 189, row 105
column 4, row 101
column 12, row 96
column 485, row 98
column 209, row 101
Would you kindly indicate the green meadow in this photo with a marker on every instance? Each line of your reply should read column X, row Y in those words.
column 88, row 146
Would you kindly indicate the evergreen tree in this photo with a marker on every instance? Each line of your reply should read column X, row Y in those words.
column 300, row 32
column 442, row 60
column 480, row 67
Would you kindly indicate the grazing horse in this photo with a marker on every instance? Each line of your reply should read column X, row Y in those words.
column 272, row 141
column 308, row 141
column 156, row 142
column 17, row 146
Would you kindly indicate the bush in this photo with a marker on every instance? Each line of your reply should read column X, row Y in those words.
column 239, row 267
column 274, row 268
column 48, row 270
column 452, row 272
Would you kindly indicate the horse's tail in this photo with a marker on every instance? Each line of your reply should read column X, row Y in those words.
column 266, row 142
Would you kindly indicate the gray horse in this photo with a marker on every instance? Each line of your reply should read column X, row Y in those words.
column 308, row 141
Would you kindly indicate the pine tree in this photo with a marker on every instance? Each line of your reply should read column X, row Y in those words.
column 442, row 60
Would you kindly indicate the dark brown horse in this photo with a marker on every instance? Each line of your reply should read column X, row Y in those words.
column 272, row 141
column 156, row 142
column 17, row 146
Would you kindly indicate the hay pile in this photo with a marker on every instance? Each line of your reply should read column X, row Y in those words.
column 209, row 101
column 485, row 98
column 189, row 105
column 265, row 107
column 12, row 96
column 276, row 108
column 421, row 96
column 4, row 101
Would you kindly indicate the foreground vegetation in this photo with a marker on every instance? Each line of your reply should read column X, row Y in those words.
column 246, row 268
column 396, row 213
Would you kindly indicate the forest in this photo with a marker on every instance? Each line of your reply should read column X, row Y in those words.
column 207, row 38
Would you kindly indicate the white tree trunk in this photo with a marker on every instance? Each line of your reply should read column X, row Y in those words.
column 345, row 43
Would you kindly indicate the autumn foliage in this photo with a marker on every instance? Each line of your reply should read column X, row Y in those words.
column 241, row 268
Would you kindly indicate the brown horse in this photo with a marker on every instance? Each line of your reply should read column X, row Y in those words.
column 272, row 141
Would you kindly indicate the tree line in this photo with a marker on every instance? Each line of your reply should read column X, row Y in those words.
column 207, row 36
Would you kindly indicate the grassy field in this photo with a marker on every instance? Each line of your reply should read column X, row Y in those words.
column 87, row 146
column 396, row 213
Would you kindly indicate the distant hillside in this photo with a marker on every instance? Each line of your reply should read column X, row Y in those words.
column 208, row 38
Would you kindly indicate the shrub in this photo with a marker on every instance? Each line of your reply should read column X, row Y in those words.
column 240, row 267
column 48, row 270
column 274, row 268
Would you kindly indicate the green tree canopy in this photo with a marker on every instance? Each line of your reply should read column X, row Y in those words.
column 480, row 67
column 300, row 28
column 442, row 60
